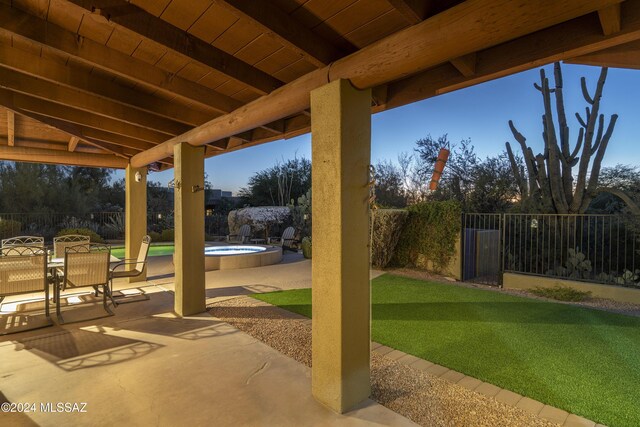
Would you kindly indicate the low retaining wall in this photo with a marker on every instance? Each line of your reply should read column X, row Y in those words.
column 616, row 293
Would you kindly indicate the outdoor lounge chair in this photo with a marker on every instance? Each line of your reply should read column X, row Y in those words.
column 287, row 240
column 119, row 270
column 243, row 235
column 85, row 266
column 22, row 241
column 23, row 270
column 62, row 242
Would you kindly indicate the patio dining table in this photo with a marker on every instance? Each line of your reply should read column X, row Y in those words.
column 59, row 262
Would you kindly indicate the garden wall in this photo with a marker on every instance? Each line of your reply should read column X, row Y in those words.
column 616, row 293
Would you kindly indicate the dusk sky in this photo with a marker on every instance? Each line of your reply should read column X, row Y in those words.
column 481, row 113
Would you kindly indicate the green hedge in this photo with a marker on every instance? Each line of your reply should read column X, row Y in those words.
column 93, row 236
column 429, row 234
column 387, row 227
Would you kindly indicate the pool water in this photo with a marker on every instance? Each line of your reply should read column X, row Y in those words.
column 232, row 250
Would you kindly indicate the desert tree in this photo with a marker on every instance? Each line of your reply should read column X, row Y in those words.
column 546, row 182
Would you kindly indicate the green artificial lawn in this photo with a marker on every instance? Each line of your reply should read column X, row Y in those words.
column 154, row 250
column 581, row 360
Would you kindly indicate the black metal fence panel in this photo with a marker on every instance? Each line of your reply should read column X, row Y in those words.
column 594, row 248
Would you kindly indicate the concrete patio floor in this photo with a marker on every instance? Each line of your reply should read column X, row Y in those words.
column 146, row 366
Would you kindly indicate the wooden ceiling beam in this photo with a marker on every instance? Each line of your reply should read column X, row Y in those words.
column 414, row 11
column 153, row 28
column 466, row 64
column 98, row 138
column 622, row 56
column 44, row 90
column 73, row 143
column 60, row 157
column 11, row 128
column 610, row 19
column 72, row 115
column 562, row 42
column 453, row 33
column 72, row 76
column 285, row 30
column 17, row 23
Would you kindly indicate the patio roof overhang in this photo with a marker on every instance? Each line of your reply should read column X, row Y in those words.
column 105, row 82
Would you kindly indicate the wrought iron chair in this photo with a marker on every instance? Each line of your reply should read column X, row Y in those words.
column 60, row 243
column 287, row 240
column 21, row 242
column 119, row 271
column 23, row 269
column 85, row 266
column 243, row 235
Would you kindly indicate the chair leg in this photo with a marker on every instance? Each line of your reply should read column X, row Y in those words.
column 46, row 301
column 57, row 300
column 105, row 291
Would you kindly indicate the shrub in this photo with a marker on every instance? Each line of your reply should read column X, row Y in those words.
column 155, row 236
column 261, row 219
column 9, row 228
column 167, row 236
column 306, row 247
column 429, row 235
column 387, row 227
column 561, row 293
column 93, row 236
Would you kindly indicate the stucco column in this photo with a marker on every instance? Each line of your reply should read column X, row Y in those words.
column 189, row 229
column 135, row 215
column 341, row 151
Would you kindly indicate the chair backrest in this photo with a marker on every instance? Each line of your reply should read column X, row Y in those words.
column 144, row 252
column 288, row 235
column 61, row 243
column 245, row 231
column 86, row 265
column 22, row 241
column 23, row 269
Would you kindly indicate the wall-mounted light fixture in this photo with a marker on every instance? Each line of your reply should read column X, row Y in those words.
column 138, row 176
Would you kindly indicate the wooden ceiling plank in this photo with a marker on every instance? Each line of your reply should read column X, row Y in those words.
column 610, row 19
column 11, row 128
column 72, row 98
column 153, row 28
column 414, row 11
column 58, row 157
column 466, row 64
column 17, row 23
column 73, row 143
column 285, row 29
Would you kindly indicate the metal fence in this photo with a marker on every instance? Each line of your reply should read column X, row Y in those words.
column 595, row 248
column 109, row 225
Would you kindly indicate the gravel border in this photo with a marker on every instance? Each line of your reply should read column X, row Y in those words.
column 421, row 397
column 604, row 304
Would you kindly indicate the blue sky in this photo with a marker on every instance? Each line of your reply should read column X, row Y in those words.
column 480, row 113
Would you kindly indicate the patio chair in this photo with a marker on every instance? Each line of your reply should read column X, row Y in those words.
column 287, row 240
column 61, row 243
column 243, row 235
column 85, row 266
column 23, row 270
column 22, row 242
column 119, row 271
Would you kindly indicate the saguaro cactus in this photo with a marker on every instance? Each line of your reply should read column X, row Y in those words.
column 546, row 181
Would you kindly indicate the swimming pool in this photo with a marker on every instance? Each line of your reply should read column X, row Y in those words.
column 230, row 257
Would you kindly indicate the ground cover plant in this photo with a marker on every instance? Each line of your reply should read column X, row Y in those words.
column 581, row 360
